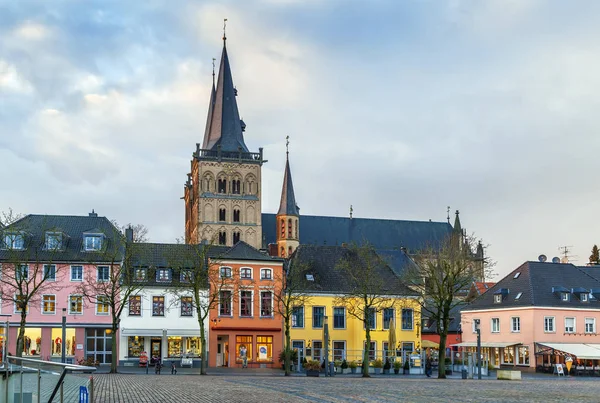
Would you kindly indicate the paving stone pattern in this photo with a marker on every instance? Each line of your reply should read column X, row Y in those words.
column 193, row 388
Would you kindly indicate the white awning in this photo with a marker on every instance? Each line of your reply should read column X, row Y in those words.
column 484, row 344
column 583, row 351
column 159, row 332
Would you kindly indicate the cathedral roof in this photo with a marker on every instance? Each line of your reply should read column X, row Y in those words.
column 288, row 206
column 224, row 126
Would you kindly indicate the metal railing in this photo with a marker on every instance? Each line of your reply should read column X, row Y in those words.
column 27, row 379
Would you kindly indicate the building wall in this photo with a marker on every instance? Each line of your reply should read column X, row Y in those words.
column 354, row 333
column 225, row 330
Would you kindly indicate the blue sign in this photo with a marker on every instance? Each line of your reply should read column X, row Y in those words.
column 83, row 394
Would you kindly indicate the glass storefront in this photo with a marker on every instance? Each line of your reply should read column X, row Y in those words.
column 243, row 342
column 32, row 341
column 174, row 346
column 56, row 345
column 135, row 346
column 99, row 345
column 264, row 347
column 192, row 346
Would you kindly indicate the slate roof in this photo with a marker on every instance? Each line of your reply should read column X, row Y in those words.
column 536, row 281
column 382, row 234
column 224, row 126
column 453, row 327
column 287, row 205
column 242, row 251
column 321, row 262
column 35, row 226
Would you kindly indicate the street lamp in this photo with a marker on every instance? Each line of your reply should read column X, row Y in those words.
column 478, row 330
column 64, row 336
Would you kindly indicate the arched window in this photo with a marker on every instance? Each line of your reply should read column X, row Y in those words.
column 236, row 187
column 222, row 238
column 222, row 184
column 282, row 253
column 236, row 237
column 222, row 214
column 290, row 228
column 290, row 251
column 236, row 215
column 282, row 229
column 296, row 228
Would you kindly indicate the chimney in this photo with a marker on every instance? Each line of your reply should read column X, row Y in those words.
column 129, row 234
column 93, row 214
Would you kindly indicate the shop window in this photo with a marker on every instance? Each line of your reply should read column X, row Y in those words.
column 102, row 305
column 50, row 272
column 32, row 342
column 317, row 349
column 75, row 305
column 266, row 274
column 225, row 303
column 508, row 355
column 135, row 346
column 135, row 305
column 174, row 346
column 99, row 345
column 339, row 318
column 186, row 306
column 264, row 348
column 298, row 316
column 192, row 346
column 523, row 355
column 243, row 343
column 48, row 304
column 388, row 316
column 318, row 314
column 407, row 319
column 266, row 303
column 56, row 342
column 246, row 303
column 158, row 306
column 339, row 350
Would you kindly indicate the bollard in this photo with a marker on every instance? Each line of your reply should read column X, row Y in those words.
column 464, row 373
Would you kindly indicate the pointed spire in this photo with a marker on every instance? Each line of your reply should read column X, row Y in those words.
column 223, row 125
column 288, row 206
column 457, row 226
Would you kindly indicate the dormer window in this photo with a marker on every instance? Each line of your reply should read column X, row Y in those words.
column 53, row 240
column 14, row 240
column 140, row 274
column 497, row 298
column 163, row 275
column 564, row 296
column 92, row 242
column 583, row 297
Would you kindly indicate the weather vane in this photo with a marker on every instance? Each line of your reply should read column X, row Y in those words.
column 351, row 210
column 287, row 144
column 224, row 29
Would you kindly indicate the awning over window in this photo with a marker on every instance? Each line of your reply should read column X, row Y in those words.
column 429, row 344
column 484, row 344
column 583, row 351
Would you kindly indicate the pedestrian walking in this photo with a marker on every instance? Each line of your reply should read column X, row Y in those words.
column 428, row 367
column 173, row 368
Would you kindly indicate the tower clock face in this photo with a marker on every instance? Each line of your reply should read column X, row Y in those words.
column 229, row 169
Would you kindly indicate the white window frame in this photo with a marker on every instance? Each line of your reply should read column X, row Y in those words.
column 266, row 270
column 71, row 273
column 344, row 350
column 497, row 298
column 70, row 302
column 140, row 270
column 583, row 297
column 92, row 248
column 552, row 321
column 251, row 303
column 98, row 274
column 564, row 296
column 221, row 268
column 44, row 272
column 260, row 303
column 593, row 323
column 163, row 275
column 518, row 356
column 19, row 275
column 246, row 268
column 50, row 235
column 574, row 325
column 98, row 297
column 42, row 307
column 497, row 329
column 476, row 322
column 10, row 240
column 515, row 320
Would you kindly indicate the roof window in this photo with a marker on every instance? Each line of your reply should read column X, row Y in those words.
column 14, row 240
column 54, row 240
column 518, row 296
column 517, row 274
column 310, row 277
column 92, row 242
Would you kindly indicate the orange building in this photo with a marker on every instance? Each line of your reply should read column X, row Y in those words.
column 244, row 321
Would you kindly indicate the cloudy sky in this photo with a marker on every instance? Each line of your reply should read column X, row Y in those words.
column 400, row 108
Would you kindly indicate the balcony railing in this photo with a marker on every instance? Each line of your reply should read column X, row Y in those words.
column 237, row 156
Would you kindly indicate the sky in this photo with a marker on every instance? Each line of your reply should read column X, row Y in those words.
column 398, row 108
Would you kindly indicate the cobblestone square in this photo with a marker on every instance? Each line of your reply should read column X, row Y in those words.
column 239, row 388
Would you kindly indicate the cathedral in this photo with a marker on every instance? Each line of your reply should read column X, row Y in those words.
column 223, row 196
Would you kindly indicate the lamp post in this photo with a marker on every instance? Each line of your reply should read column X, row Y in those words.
column 478, row 352
column 326, row 342
column 64, row 336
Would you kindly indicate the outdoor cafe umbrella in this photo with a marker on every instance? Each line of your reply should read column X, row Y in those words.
column 392, row 338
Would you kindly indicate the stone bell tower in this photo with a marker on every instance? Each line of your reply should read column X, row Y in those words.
column 288, row 216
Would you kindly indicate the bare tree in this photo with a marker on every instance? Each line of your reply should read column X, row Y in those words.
column 140, row 231
column 110, row 291
column 9, row 217
column 27, row 269
column 371, row 287
column 443, row 272
column 291, row 294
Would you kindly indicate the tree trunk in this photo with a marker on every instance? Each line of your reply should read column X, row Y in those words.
column 203, row 352
column 288, row 349
column 115, row 358
column 21, row 336
column 442, row 355
column 365, row 366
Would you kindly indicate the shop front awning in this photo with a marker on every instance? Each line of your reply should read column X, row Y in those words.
column 484, row 344
column 429, row 344
column 583, row 351
column 160, row 332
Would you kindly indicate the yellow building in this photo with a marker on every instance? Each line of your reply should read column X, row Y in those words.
column 323, row 286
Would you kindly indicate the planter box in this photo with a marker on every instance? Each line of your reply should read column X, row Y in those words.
column 377, row 371
column 507, row 375
column 353, row 370
column 397, row 371
column 312, row 373
column 386, row 372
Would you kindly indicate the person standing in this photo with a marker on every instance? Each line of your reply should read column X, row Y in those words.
column 428, row 367
column 244, row 356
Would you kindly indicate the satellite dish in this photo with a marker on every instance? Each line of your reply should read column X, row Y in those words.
column 542, row 258
column 555, row 260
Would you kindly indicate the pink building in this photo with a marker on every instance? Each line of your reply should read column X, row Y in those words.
column 69, row 251
column 538, row 315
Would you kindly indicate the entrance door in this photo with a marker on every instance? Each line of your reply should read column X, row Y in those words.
column 223, row 351
column 156, row 348
column 219, row 354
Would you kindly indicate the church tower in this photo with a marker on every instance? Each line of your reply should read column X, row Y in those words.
column 288, row 216
column 223, row 190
